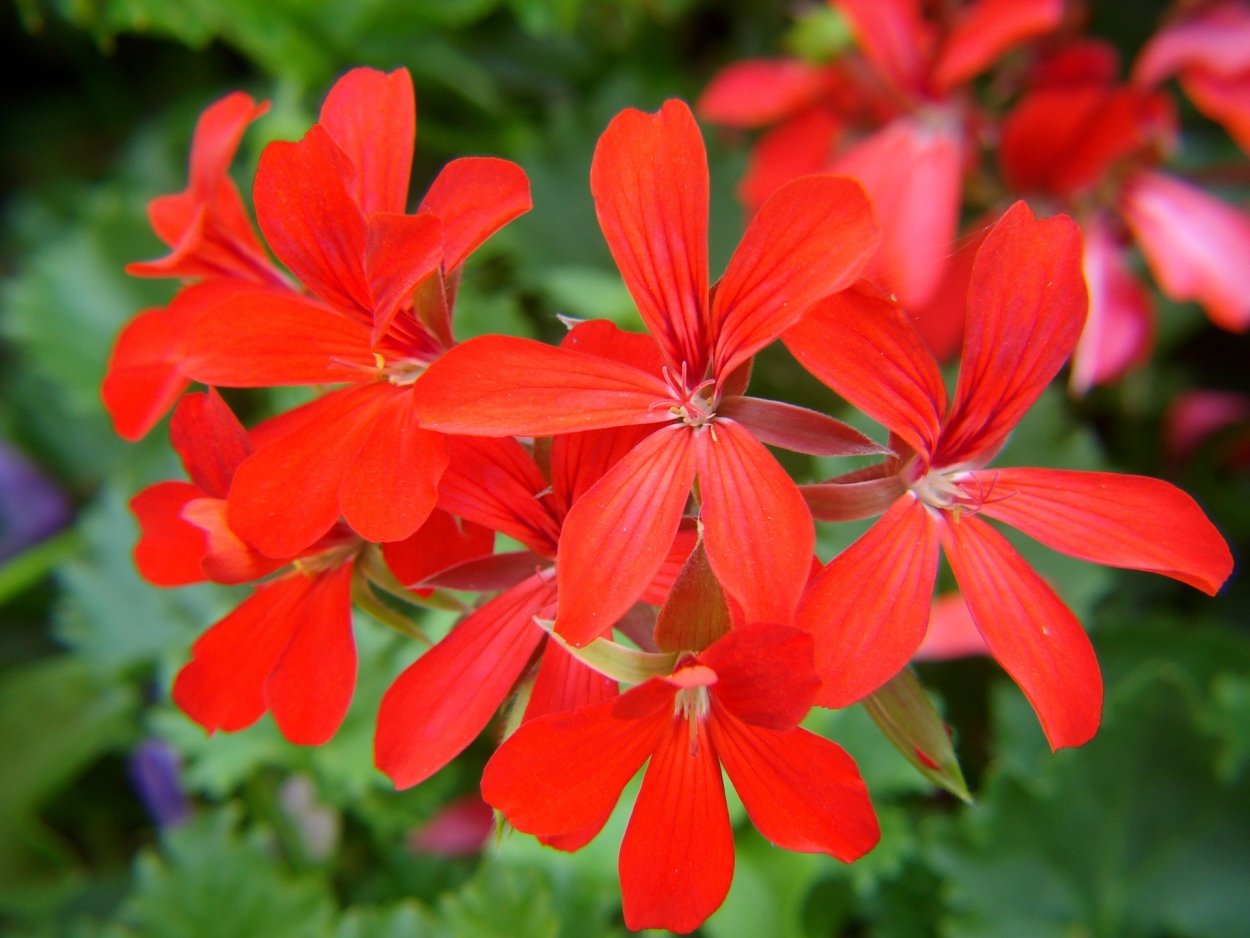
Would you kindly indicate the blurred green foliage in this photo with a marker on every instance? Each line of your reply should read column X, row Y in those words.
column 1144, row 832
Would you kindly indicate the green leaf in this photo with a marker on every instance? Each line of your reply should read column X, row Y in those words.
column 403, row 920
column 1131, row 835
column 209, row 880
column 500, row 900
column 56, row 719
column 907, row 717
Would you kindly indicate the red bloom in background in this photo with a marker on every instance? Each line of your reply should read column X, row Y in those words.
column 441, row 702
column 868, row 609
column 1207, row 46
column 1092, row 144
column 916, row 62
column 332, row 208
column 650, row 183
column 287, row 649
column 735, row 706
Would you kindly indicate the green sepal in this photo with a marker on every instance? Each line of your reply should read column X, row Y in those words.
column 619, row 662
column 905, row 713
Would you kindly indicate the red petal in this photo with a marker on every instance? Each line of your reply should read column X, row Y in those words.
column 227, row 558
column 564, row 772
column 311, row 685
column 1118, row 520
column 602, row 338
column 677, row 858
column 223, row 686
column 169, row 549
column 987, row 31
column 1212, row 37
column 862, row 494
column 501, row 386
column 209, row 440
column 391, row 485
column 803, row 792
column 894, row 38
column 864, row 347
column 496, row 483
column 1119, row 329
column 1197, row 246
column 372, row 119
column 797, row 428
column 286, row 494
column 756, row 526
column 474, row 197
column 143, row 379
column 811, row 238
column 1225, row 99
column 764, row 675
column 867, row 609
column 759, row 92
column 579, row 460
column 441, row 543
column 311, row 220
column 268, row 339
column 448, row 695
column 912, row 171
column 649, row 179
column 563, row 683
column 402, row 250
column 1026, row 308
column 1029, row 630
column 618, row 534
column 796, row 148
column 952, row 632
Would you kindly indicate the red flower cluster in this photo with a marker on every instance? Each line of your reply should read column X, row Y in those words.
column 898, row 115
column 661, row 543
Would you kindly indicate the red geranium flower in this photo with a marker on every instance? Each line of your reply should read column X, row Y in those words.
column 287, row 649
column 650, row 183
column 735, row 706
column 868, row 609
column 332, row 208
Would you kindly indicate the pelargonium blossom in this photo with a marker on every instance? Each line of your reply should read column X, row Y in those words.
column 736, row 706
column 649, row 178
column 868, row 609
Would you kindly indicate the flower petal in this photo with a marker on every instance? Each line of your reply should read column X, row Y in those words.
column 617, row 536
column 286, row 494
column 677, row 858
column 758, row 92
column 801, row 791
column 445, row 698
column 912, row 171
column 501, row 386
column 563, row 683
column 1028, row 629
column 223, row 686
column 391, row 485
column 764, row 674
column 811, row 238
column 401, row 251
column 649, row 179
column 169, row 549
column 311, row 219
column 867, row 610
column 987, row 30
column 1197, row 246
column 311, row 685
column 758, row 531
column 862, row 345
column 1027, row 304
column 1117, row 520
column 270, row 339
column 797, row 428
column 209, row 440
column 473, row 198
column 372, row 118
column 496, row 483
column 894, row 38
column 1119, row 330
column 564, row 772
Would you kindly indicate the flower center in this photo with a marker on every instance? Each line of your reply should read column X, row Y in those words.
column 696, row 407
column 953, row 488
